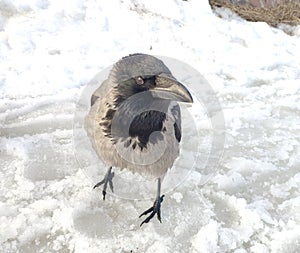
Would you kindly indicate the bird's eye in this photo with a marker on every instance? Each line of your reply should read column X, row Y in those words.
column 139, row 80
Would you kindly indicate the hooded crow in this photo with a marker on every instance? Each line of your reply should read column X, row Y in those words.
column 134, row 122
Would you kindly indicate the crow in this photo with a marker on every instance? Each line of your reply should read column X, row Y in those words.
column 135, row 122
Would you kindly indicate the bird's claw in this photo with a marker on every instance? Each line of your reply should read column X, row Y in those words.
column 155, row 209
column 106, row 180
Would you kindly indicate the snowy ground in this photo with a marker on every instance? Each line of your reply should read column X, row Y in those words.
column 50, row 50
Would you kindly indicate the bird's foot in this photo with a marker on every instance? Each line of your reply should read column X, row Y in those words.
column 155, row 209
column 106, row 180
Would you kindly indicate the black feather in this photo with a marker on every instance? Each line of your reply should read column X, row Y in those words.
column 177, row 125
column 177, row 132
column 145, row 124
column 93, row 99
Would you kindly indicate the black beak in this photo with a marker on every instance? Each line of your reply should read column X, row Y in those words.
column 169, row 88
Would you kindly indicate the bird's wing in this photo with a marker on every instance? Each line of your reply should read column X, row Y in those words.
column 97, row 109
column 101, row 91
column 175, row 110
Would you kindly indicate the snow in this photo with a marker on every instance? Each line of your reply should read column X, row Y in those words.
column 236, row 185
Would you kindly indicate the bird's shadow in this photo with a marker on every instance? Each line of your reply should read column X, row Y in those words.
column 117, row 217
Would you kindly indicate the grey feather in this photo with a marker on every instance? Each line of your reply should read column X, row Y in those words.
column 125, row 130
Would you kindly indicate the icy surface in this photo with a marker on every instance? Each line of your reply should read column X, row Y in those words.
column 49, row 51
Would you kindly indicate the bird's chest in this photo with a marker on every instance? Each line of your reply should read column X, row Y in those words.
column 159, row 146
column 147, row 134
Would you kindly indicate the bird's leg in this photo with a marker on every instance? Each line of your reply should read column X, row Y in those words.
column 155, row 209
column 106, row 180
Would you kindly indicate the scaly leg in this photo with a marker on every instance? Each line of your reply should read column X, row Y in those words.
column 106, row 180
column 155, row 209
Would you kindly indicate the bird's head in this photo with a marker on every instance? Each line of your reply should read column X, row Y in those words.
column 140, row 72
